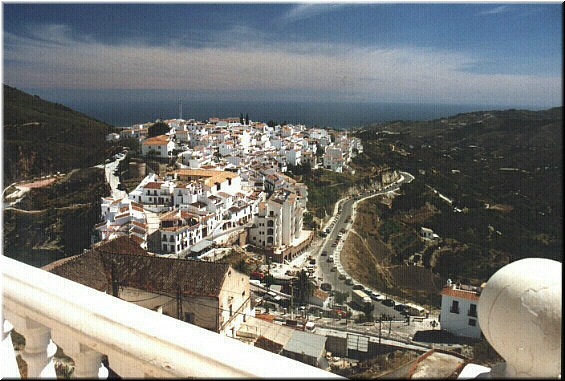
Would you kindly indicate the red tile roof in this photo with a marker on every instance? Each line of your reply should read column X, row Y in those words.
column 153, row 185
column 462, row 294
column 145, row 272
column 156, row 140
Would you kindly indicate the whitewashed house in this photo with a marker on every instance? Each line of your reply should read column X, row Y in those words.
column 459, row 310
column 160, row 146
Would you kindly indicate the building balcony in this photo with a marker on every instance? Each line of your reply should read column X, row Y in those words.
column 51, row 311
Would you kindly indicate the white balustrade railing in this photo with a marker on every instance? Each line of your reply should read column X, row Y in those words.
column 48, row 309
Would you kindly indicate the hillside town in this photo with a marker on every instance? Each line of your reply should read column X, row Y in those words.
column 229, row 191
column 229, row 175
column 212, row 191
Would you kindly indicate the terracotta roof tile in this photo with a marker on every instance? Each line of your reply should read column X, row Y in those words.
column 469, row 295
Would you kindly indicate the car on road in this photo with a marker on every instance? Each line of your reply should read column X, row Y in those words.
column 400, row 307
column 358, row 287
column 349, row 281
column 388, row 302
column 324, row 253
column 374, row 296
column 327, row 230
column 326, row 287
column 334, row 244
column 341, row 277
column 333, row 269
column 330, row 259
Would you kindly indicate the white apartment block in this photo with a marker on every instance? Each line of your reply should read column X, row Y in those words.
column 278, row 222
column 333, row 159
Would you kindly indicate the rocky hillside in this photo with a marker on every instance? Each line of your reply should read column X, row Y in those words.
column 56, row 221
column 500, row 177
column 42, row 137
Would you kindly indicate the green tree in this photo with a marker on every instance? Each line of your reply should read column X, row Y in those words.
column 242, row 266
column 240, row 118
column 247, row 119
column 340, row 297
column 368, row 311
column 157, row 129
column 304, row 287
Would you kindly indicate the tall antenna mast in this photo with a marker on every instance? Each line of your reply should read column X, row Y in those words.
column 180, row 109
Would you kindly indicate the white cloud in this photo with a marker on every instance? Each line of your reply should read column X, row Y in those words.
column 304, row 11
column 494, row 11
column 339, row 71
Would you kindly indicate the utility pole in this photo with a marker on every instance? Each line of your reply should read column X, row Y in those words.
column 380, row 327
column 179, row 305
column 291, row 297
column 115, row 283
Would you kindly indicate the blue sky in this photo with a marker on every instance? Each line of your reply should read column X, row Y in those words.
column 423, row 53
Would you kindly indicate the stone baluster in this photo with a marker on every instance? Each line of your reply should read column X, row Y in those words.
column 520, row 315
column 8, row 361
column 88, row 362
column 39, row 349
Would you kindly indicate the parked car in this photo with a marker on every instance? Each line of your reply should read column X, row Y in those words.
column 313, row 261
column 358, row 287
column 257, row 275
column 324, row 253
column 349, row 281
column 374, row 296
column 333, row 269
column 388, row 302
column 399, row 307
column 326, row 287
column 341, row 277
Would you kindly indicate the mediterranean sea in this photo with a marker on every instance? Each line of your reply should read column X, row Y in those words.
column 313, row 113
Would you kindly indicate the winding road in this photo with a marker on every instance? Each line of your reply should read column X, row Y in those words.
column 325, row 267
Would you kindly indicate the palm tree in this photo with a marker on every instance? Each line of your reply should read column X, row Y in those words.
column 304, row 287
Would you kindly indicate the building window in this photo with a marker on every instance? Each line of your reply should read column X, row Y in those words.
column 473, row 310
column 472, row 322
column 231, row 310
column 270, row 223
column 454, row 307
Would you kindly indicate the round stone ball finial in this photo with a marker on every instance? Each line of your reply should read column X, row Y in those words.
column 520, row 315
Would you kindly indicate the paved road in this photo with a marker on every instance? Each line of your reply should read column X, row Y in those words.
column 112, row 179
column 325, row 267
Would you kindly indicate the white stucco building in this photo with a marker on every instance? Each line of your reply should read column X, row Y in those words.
column 459, row 313
column 160, row 146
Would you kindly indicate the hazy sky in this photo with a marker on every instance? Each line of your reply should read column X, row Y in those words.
column 446, row 53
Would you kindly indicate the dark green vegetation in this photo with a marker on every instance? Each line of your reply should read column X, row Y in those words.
column 56, row 221
column 157, row 129
column 41, row 137
column 503, row 172
column 325, row 187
